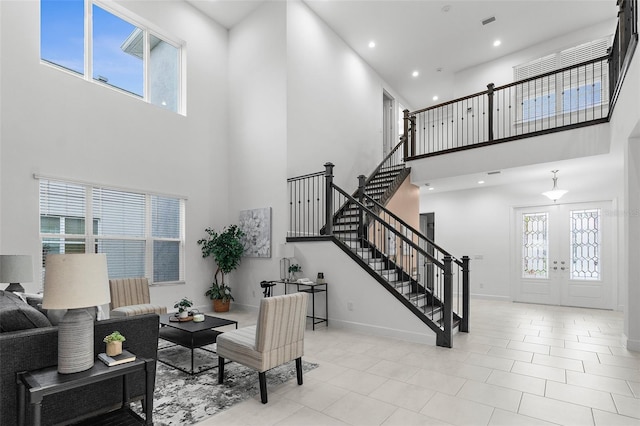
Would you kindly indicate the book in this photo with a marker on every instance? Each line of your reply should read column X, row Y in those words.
column 125, row 356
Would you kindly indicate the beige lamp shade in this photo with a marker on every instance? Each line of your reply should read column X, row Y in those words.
column 286, row 251
column 75, row 281
column 16, row 268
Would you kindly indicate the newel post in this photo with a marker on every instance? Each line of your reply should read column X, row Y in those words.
column 447, row 319
column 406, row 133
column 361, row 184
column 328, row 214
column 464, row 324
column 490, row 87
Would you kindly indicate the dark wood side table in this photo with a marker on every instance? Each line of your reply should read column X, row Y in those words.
column 33, row 386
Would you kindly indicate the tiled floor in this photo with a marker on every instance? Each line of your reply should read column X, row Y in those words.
column 520, row 365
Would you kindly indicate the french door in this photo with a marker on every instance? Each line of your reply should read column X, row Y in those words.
column 564, row 255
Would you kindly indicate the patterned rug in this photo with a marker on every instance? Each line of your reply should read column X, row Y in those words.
column 182, row 399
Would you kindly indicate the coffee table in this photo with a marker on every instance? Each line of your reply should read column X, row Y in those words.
column 192, row 335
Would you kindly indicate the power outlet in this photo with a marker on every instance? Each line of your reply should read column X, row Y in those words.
column 254, row 294
column 481, row 285
column 350, row 306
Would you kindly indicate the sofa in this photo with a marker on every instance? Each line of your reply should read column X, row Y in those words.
column 28, row 341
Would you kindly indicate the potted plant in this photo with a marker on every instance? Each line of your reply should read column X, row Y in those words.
column 183, row 306
column 226, row 248
column 114, row 343
column 293, row 270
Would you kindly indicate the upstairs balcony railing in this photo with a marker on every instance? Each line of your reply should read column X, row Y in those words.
column 578, row 95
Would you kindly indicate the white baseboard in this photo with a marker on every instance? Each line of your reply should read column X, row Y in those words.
column 631, row 344
column 427, row 337
column 491, row 297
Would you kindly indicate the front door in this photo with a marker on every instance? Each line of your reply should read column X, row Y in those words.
column 564, row 255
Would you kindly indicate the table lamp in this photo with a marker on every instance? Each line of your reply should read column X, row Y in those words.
column 75, row 282
column 14, row 269
column 286, row 252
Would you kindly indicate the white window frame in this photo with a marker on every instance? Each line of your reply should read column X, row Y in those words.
column 90, row 239
column 148, row 29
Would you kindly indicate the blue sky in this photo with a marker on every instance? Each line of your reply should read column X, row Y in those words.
column 62, row 43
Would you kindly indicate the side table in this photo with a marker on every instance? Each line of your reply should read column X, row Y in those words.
column 33, row 386
column 312, row 288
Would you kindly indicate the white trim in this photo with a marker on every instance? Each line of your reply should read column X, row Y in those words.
column 631, row 344
column 38, row 176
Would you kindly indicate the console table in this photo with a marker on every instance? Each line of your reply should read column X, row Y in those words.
column 33, row 386
column 312, row 288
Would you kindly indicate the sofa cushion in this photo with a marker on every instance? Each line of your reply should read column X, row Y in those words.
column 15, row 314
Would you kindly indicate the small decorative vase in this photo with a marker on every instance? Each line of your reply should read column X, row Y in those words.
column 220, row 305
column 183, row 314
column 114, row 348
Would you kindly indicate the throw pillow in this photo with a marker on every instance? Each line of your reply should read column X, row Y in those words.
column 18, row 315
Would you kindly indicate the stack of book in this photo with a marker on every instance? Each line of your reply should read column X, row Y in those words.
column 125, row 356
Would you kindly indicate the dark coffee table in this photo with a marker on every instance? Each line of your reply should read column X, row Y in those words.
column 192, row 335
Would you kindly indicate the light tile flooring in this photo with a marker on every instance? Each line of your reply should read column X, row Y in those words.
column 520, row 365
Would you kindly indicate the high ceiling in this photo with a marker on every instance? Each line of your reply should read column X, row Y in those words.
column 440, row 38
column 436, row 38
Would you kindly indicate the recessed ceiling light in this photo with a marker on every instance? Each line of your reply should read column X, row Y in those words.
column 435, row 98
column 497, row 43
column 372, row 44
column 415, row 73
column 480, row 182
column 446, row 8
column 431, row 188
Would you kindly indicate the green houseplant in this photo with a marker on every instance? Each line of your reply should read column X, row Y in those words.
column 183, row 306
column 293, row 270
column 226, row 248
column 114, row 343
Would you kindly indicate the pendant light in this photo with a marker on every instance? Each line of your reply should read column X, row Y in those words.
column 555, row 193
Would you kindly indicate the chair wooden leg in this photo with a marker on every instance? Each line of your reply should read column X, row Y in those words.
column 220, row 369
column 263, row 387
column 299, row 370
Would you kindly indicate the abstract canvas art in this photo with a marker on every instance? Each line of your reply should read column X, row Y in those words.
column 256, row 225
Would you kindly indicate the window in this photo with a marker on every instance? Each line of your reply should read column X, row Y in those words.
column 563, row 93
column 119, row 52
column 142, row 234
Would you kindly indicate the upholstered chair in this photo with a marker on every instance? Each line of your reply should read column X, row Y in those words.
column 130, row 296
column 277, row 338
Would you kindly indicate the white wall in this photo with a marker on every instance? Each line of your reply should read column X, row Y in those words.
column 374, row 309
column 500, row 71
column 334, row 104
column 258, row 130
column 56, row 124
column 479, row 223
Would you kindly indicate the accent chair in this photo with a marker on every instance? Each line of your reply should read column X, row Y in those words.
column 130, row 296
column 277, row 338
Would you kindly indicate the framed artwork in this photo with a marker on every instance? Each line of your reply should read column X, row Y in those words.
column 256, row 225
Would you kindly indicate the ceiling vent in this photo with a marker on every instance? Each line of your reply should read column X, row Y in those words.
column 497, row 172
column 488, row 20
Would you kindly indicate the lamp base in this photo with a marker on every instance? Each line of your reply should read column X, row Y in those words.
column 15, row 288
column 75, row 342
column 284, row 268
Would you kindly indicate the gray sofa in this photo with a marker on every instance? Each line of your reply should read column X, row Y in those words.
column 28, row 341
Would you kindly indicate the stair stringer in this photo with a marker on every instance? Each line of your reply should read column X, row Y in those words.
column 440, row 338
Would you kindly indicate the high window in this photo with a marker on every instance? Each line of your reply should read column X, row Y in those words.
column 141, row 234
column 574, row 90
column 90, row 39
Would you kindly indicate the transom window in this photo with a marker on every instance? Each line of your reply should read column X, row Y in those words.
column 141, row 234
column 111, row 49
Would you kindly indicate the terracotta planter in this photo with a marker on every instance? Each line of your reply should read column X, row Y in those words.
column 221, row 306
column 114, row 348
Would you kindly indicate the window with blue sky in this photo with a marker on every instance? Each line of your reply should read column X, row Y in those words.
column 119, row 53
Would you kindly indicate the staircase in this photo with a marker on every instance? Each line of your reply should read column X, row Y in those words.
column 416, row 271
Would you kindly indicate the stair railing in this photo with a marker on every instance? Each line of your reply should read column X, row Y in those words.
column 399, row 259
column 395, row 158
column 425, row 274
column 575, row 96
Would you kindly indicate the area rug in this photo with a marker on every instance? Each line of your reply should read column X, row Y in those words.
column 183, row 399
